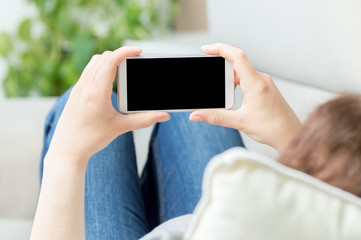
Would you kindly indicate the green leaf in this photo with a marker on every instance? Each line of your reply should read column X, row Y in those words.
column 11, row 86
column 140, row 33
column 83, row 49
column 24, row 31
column 39, row 3
column 63, row 22
column 51, row 60
column 133, row 13
column 5, row 44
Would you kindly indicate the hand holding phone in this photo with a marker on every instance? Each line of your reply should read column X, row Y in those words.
column 264, row 115
column 175, row 83
column 89, row 121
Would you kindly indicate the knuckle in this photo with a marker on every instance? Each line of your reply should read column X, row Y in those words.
column 267, row 77
column 262, row 87
column 87, row 94
column 240, row 53
column 265, row 83
column 107, row 55
column 94, row 57
column 148, row 121
column 108, row 59
column 214, row 119
column 85, row 91
column 107, row 52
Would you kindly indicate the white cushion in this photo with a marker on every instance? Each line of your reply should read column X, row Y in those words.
column 15, row 229
column 313, row 42
column 248, row 196
column 22, row 128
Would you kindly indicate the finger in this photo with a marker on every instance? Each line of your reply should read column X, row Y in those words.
column 141, row 120
column 242, row 66
column 236, row 80
column 98, row 74
column 122, row 53
column 90, row 64
column 107, row 69
column 90, row 68
column 221, row 117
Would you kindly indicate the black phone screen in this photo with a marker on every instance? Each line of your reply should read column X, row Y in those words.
column 175, row 83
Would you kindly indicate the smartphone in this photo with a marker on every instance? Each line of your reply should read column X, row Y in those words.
column 175, row 83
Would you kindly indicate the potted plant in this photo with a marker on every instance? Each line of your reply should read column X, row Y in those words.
column 48, row 52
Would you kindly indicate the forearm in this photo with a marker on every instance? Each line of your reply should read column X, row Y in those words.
column 60, row 211
column 88, row 124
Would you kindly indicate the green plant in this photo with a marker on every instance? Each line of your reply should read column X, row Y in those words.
column 48, row 52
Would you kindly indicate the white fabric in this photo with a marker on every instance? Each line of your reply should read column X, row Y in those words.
column 248, row 196
column 15, row 228
column 312, row 42
column 173, row 229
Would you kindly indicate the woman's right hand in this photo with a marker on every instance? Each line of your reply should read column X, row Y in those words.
column 264, row 115
column 89, row 121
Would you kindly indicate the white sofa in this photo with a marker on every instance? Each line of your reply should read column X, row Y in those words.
column 310, row 48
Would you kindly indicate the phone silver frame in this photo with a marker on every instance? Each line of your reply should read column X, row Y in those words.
column 122, row 83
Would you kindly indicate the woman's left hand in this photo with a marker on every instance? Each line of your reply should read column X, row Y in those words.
column 89, row 122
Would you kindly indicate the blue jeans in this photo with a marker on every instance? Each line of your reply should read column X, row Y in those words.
column 119, row 204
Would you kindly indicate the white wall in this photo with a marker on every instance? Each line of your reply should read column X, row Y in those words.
column 11, row 13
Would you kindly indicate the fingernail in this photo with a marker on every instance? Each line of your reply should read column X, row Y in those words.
column 207, row 47
column 195, row 118
column 163, row 119
column 135, row 48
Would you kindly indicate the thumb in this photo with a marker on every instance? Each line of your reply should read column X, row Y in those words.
column 142, row 120
column 221, row 117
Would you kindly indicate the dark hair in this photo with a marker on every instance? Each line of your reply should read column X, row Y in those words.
column 328, row 146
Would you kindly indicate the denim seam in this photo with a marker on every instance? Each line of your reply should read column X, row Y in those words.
column 160, row 184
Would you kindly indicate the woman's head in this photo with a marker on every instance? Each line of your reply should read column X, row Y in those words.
column 328, row 146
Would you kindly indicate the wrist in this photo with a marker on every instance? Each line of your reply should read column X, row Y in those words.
column 287, row 132
column 56, row 159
